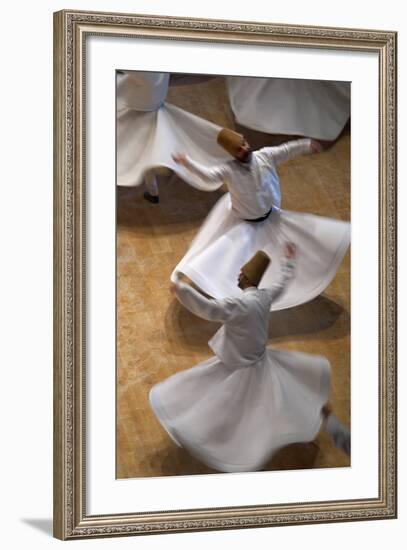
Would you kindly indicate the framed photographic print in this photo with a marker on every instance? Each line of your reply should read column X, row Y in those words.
column 207, row 173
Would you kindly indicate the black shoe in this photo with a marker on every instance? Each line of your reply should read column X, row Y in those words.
column 155, row 199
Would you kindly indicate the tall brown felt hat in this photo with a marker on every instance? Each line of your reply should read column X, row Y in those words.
column 230, row 141
column 254, row 269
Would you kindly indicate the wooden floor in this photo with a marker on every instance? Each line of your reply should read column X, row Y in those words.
column 156, row 337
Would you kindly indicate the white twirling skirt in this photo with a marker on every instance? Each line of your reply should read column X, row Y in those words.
column 147, row 140
column 312, row 108
column 225, row 243
column 235, row 419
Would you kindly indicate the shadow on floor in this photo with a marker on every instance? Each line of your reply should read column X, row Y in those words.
column 172, row 460
column 321, row 316
column 179, row 204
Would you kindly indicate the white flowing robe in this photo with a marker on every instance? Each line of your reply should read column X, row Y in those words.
column 226, row 241
column 149, row 131
column 312, row 108
column 235, row 410
column 254, row 186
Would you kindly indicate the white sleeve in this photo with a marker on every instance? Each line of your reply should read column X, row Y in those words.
column 286, row 151
column 215, row 175
column 211, row 310
column 287, row 272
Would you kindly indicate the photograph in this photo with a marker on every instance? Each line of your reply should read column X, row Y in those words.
column 224, row 288
column 233, row 274
column 204, row 265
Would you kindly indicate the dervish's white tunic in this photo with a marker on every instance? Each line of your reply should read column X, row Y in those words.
column 254, row 186
column 312, row 108
column 225, row 241
column 149, row 131
column 233, row 411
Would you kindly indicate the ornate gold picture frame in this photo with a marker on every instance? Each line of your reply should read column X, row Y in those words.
column 72, row 519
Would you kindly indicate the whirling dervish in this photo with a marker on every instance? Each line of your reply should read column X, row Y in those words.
column 149, row 129
column 249, row 218
column 235, row 410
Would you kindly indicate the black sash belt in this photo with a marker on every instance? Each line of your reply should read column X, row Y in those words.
column 262, row 218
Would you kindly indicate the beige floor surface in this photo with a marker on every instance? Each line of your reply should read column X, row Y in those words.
column 156, row 337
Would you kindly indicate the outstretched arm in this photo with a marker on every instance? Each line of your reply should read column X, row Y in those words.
column 195, row 302
column 215, row 175
column 287, row 272
column 290, row 149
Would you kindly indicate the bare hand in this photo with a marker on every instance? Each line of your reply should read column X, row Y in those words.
column 290, row 251
column 180, row 158
column 316, row 146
